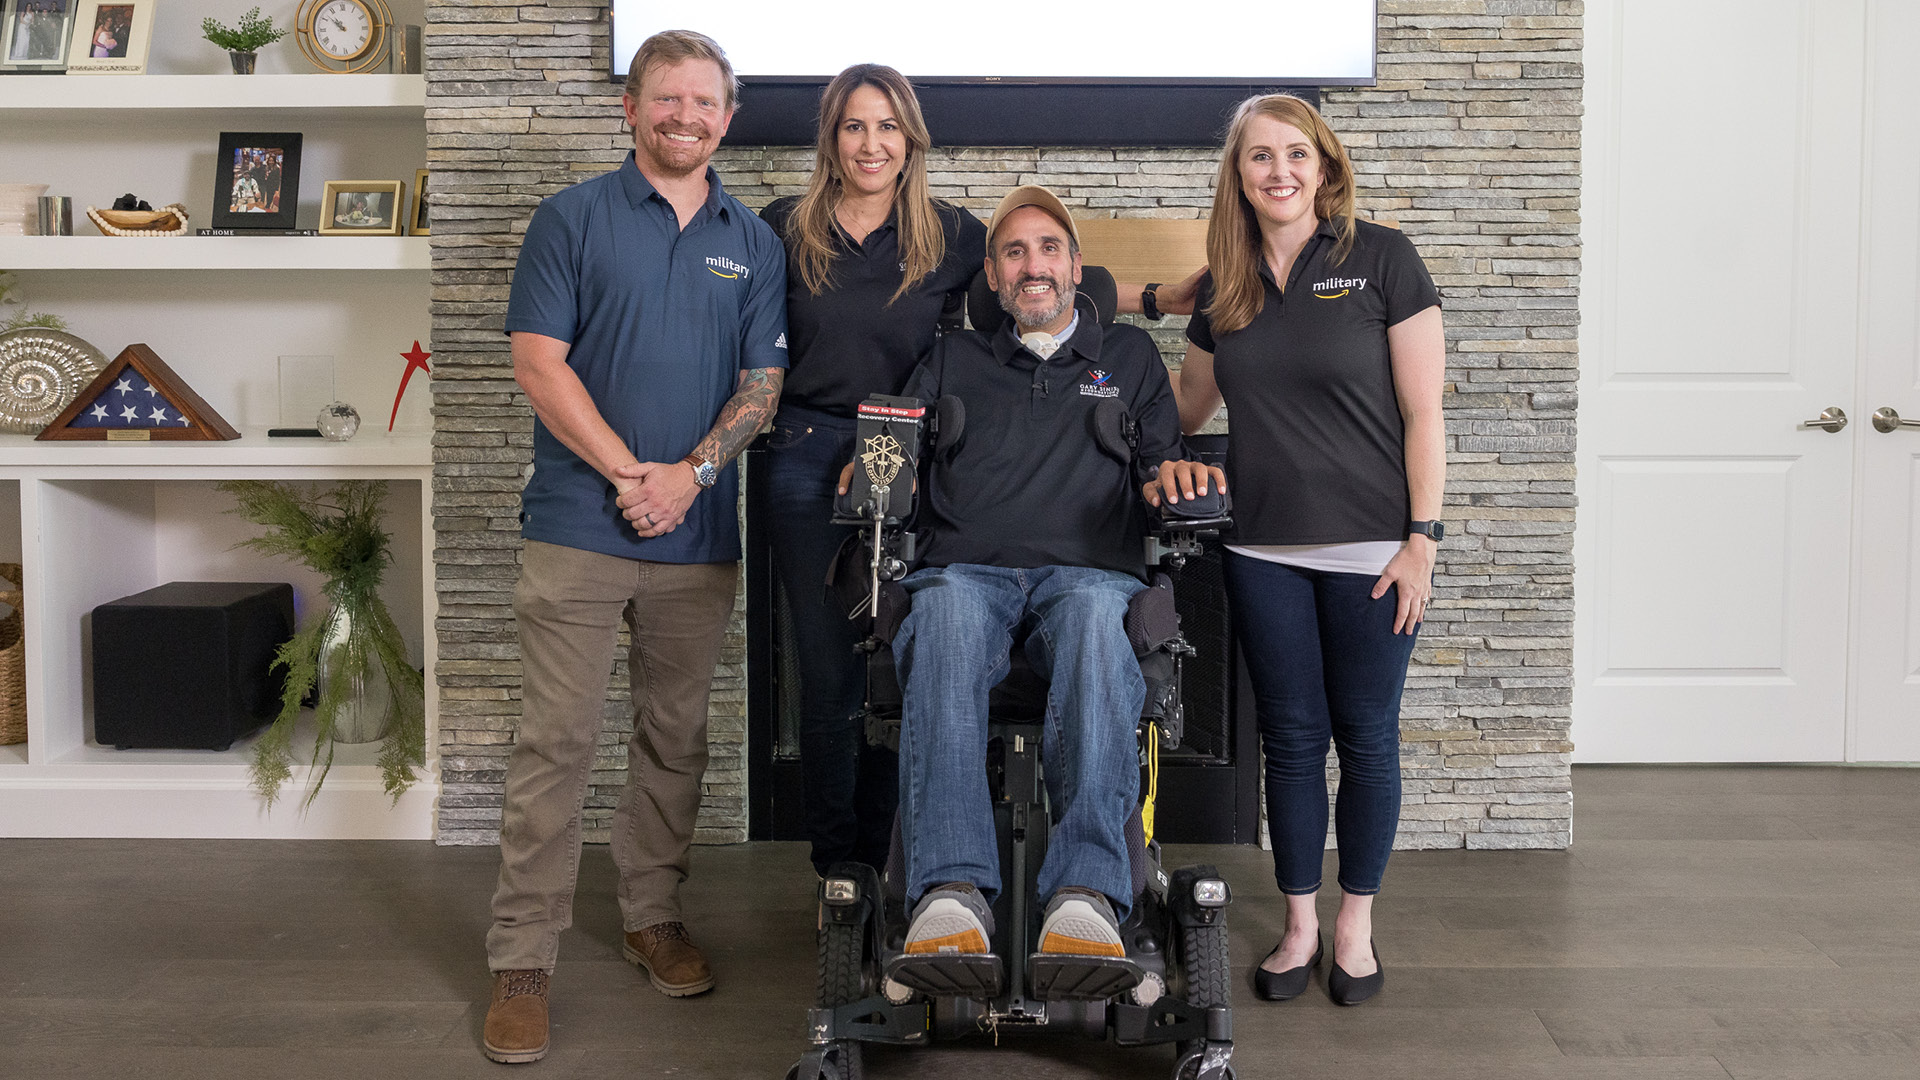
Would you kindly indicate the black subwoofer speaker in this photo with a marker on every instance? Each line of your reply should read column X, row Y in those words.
column 188, row 665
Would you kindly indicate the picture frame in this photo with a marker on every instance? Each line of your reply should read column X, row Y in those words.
column 363, row 208
column 110, row 37
column 256, row 180
column 419, row 211
column 35, row 35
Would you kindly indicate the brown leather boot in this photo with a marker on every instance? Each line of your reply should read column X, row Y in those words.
column 516, row 1027
column 670, row 960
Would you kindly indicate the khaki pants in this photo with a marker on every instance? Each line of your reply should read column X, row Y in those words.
column 569, row 605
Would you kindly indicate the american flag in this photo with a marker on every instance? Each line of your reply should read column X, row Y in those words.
column 130, row 402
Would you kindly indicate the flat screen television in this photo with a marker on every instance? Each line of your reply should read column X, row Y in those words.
column 991, row 73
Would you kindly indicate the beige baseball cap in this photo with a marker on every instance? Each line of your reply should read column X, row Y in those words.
column 1032, row 195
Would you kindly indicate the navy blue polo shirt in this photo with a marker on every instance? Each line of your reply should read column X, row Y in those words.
column 661, row 321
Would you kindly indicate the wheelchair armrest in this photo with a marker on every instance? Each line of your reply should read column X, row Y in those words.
column 1198, row 512
column 1175, row 529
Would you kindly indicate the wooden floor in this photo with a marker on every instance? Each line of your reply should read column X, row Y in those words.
column 1709, row 923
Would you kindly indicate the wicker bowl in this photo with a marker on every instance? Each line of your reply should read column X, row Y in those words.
column 140, row 219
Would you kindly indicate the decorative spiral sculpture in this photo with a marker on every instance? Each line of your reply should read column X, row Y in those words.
column 41, row 372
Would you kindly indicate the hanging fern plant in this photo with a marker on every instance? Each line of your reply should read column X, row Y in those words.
column 336, row 533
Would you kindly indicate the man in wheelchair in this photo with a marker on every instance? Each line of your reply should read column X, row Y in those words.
column 1029, row 525
column 1028, row 546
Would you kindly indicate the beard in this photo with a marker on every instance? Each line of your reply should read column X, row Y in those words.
column 677, row 159
column 1010, row 297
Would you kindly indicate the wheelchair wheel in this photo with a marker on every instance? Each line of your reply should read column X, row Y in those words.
column 1206, row 981
column 1203, row 962
column 842, row 975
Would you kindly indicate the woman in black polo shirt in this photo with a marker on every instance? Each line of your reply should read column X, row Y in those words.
column 1336, row 458
column 872, row 261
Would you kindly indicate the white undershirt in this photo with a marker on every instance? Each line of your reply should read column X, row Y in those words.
column 1360, row 557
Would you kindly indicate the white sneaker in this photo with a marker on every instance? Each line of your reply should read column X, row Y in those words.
column 950, row 919
column 1080, row 922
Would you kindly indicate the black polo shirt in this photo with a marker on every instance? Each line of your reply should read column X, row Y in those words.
column 1028, row 485
column 1314, row 451
column 854, row 339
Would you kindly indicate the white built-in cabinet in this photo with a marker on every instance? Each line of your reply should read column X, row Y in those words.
column 93, row 522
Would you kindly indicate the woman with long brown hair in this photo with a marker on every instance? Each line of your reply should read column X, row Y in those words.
column 1322, row 334
column 872, row 262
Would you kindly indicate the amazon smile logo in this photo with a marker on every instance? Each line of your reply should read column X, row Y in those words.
column 721, row 266
column 1335, row 288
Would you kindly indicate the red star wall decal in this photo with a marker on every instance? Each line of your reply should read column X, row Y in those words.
column 415, row 359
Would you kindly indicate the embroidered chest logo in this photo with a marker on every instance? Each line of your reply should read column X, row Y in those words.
column 721, row 266
column 882, row 459
column 1099, row 384
column 1335, row 288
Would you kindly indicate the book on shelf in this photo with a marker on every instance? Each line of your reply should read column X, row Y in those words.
column 256, row 232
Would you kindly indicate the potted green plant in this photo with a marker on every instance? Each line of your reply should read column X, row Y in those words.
column 353, row 653
column 243, row 40
column 25, row 318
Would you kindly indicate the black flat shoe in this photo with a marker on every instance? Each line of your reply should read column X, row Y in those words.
column 1344, row 989
column 1291, row 983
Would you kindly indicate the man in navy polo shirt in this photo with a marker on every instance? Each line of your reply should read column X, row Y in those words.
column 648, row 328
column 1030, row 527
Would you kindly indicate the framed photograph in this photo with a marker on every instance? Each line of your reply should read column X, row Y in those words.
column 34, row 35
column 256, row 180
column 418, row 218
column 110, row 37
column 363, row 208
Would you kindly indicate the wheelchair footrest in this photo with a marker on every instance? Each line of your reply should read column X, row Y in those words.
column 971, row 975
column 1063, row 977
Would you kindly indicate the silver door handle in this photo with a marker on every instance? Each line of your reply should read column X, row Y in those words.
column 1831, row 418
column 1885, row 420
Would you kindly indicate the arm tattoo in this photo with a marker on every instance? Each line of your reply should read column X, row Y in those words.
column 744, row 414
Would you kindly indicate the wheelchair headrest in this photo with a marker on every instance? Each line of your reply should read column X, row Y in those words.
column 1096, row 284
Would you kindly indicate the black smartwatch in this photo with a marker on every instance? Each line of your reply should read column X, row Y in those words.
column 1147, row 306
column 1437, row 530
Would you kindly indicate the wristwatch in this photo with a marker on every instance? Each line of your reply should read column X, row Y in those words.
column 704, row 472
column 1149, row 305
column 1437, row 530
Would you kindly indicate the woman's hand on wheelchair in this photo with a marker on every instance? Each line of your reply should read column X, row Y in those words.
column 1176, row 480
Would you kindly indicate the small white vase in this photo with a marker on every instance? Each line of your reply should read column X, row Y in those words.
column 20, row 208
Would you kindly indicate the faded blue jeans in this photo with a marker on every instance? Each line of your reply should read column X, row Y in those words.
column 953, row 648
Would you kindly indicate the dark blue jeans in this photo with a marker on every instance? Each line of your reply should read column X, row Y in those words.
column 1325, row 664
column 850, row 787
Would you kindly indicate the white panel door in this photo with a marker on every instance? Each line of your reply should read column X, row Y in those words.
column 1720, row 310
column 1886, row 704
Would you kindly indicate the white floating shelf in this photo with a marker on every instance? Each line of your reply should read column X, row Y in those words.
column 371, row 449
column 213, row 252
column 405, row 93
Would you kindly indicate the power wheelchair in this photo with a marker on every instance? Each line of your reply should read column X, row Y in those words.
column 1173, row 984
